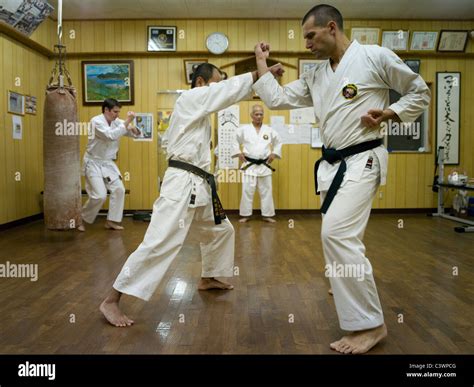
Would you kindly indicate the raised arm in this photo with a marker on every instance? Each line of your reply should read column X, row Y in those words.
column 293, row 95
column 101, row 130
column 205, row 100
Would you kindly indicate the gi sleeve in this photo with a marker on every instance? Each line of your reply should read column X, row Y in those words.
column 276, row 144
column 202, row 101
column 105, row 132
column 415, row 93
column 293, row 95
column 238, row 141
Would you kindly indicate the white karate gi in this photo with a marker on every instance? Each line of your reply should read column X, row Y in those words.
column 373, row 70
column 101, row 172
column 257, row 146
column 175, row 214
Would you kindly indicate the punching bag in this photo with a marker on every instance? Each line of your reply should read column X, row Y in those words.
column 61, row 153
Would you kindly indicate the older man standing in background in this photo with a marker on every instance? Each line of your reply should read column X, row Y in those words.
column 260, row 146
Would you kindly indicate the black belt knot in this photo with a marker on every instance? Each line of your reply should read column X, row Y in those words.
column 257, row 162
column 332, row 156
column 217, row 208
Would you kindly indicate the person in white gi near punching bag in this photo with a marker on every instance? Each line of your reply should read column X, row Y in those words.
column 99, row 168
column 260, row 146
column 349, row 91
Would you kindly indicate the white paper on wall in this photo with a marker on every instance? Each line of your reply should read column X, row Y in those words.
column 228, row 120
column 17, row 128
column 302, row 116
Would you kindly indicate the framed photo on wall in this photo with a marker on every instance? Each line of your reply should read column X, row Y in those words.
column 366, row 35
column 164, row 117
column 161, row 38
column 307, row 64
column 448, row 114
column 423, row 40
column 452, row 41
column 107, row 79
column 189, row 67
column 414, row 65
column 413, row 137
column 395, row 40
column 30, row 104
column 16, row 103
column 144, row 122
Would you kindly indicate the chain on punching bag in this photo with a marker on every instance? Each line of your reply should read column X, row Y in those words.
column 61, row 149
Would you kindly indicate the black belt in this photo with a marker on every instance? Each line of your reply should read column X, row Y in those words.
column 257, row 162
column 217, row 208
column 332, row 155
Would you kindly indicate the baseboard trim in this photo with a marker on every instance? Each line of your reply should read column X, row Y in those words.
column 21, row 222
column 33, row 218
column 311, row 211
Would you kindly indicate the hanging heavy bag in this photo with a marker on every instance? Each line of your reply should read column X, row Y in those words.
column 61, row 155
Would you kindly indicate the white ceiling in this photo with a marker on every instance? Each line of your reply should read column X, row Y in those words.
column 264, row 9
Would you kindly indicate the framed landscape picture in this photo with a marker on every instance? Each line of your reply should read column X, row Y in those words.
column 107, row 79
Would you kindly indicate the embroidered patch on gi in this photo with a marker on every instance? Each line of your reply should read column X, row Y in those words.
column 265, row 137
column 369, row 163
column 349, row 91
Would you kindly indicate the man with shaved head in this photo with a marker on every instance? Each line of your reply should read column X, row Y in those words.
column 349, row 91
column 257, row 145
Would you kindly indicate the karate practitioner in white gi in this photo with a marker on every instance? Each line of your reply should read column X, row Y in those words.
column 185, row 202
column 99, row 168
column 258, row 142
column 349, row 93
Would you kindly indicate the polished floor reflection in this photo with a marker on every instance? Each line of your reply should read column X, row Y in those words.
column 280, row 303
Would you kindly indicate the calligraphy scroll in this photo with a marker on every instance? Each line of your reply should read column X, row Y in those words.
column 448, row 113
column 228, row 120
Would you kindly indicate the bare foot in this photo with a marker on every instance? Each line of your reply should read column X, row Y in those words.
column 244, row 220
column 269, row 220
column 360, row 342
column 212, row 283
column 330, row 292
column 112, row 225
column 81, row 228
column 114, row 315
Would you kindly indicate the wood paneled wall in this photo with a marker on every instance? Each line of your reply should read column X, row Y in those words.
column 21, row 170
column 409, row 175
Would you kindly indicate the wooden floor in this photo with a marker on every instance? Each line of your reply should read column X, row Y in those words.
column 281, row 275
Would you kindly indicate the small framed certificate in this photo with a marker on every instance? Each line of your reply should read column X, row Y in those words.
column 395, row 40
column 452, row 41
column 366, row 35
column 423, row 40
column 161, row 38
